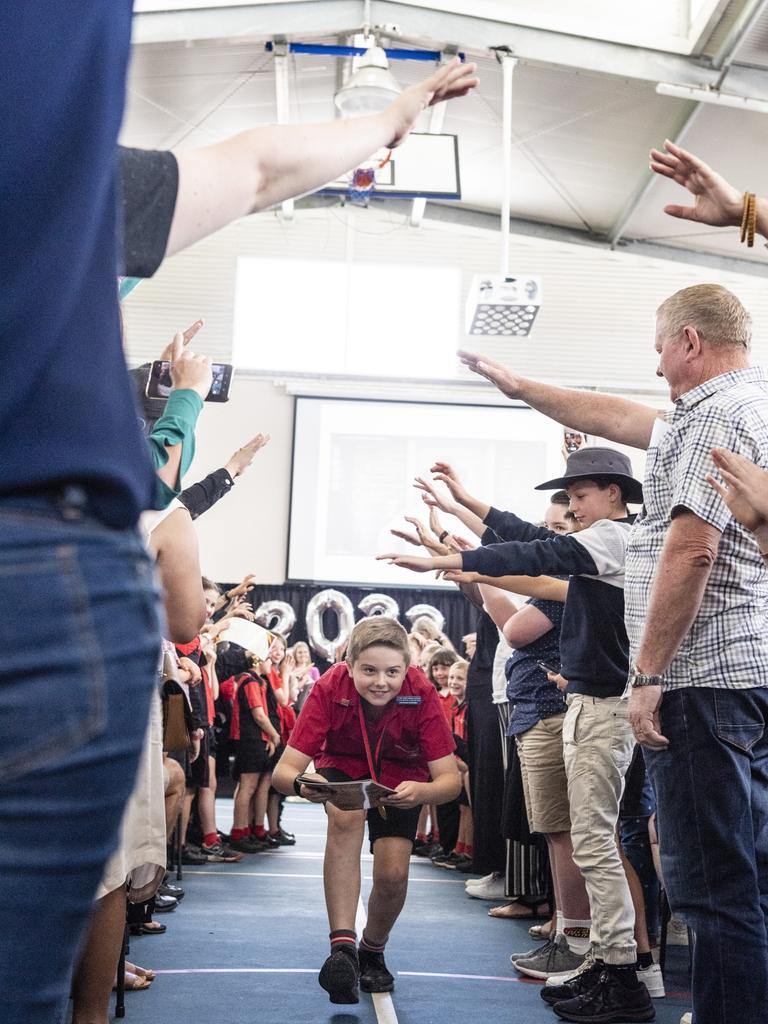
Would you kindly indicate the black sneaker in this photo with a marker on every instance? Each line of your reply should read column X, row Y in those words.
column 247, row 844
column 286, row 838
column 340, row 975
column 464, row 864
column 374, row 976
column 583, row 980
column 218, row 853
column 425, row 849
column 439, row 855
column 192, row 855
column 272, row 841
column 609, row 1001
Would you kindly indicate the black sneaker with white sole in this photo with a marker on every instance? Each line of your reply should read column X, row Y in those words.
column 612, row 1000
column 578, row 985
column 340, row 975
column 374, row 976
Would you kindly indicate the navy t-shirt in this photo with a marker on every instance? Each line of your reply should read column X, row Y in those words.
column 530, row 693
column 67, row 412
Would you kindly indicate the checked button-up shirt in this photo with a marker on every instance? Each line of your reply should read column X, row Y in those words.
column 727, row 645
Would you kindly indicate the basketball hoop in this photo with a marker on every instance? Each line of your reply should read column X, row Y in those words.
column 362, row 181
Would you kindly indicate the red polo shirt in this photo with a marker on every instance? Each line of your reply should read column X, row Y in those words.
column 412, row 729
column 447, row 702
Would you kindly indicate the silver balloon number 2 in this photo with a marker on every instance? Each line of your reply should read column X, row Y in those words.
column 380, row 604
column 277, row 617
column 335, row 601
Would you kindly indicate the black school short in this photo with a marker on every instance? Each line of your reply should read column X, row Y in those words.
column 400, row 823
column 251, row 759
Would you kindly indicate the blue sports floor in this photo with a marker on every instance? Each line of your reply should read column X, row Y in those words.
column 245, row 945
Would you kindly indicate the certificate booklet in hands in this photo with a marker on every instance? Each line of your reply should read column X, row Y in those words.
column 249, row 635
column 350, row 796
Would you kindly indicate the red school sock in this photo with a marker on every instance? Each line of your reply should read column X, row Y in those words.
column 343, row 938
column 421, row 837
column 469, row 851
column 210, row 838
column 436, row 835
column 372, row 947
column 239, row 833
column 459, row 848
column 259, row 831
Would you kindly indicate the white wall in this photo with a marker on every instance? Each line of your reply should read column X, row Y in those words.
column 247, row 531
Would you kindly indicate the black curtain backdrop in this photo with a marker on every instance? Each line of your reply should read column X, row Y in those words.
column 460, row 615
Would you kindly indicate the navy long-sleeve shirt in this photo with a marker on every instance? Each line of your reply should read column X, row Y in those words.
column 593, row 640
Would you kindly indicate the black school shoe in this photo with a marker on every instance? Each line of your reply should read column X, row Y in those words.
column 340, row 975
column 374, row 976
column 609, row 1001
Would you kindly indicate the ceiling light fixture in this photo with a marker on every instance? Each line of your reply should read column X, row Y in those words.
column 371, row 88
column 722, row 99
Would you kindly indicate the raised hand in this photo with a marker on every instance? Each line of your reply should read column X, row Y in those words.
column 506, row 380
column 449, row 81
column 460, row 576
column 410, row 538
column 716, row 201
column 244, row 456
column 189, row 372
column 456, row 543
column 746, row 488
column 446, row 474
column 186, row 336
column 415, row 563
column 432, row 497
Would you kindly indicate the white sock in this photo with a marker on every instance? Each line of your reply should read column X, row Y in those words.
column 577, row 934
column 558, row 922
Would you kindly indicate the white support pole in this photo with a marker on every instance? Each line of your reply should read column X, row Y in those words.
column 283, row 102
column 507, row 67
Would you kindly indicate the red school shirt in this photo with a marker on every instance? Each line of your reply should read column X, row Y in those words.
column 447, row 702
column 253, row 697
column 411, row 732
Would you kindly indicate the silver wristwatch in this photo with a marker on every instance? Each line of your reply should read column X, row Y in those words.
column 641, row 679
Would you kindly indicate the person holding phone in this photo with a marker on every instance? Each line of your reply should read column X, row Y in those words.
column 372, row 717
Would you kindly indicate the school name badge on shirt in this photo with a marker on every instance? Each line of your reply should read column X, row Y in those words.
column 408, row 701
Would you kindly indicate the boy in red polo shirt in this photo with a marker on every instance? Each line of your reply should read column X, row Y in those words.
column 372, row 717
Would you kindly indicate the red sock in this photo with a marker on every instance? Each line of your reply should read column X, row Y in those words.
column 210, row 838
column 469, row 851
column 343, row 937
column 259, row 831
column 421, row 838
column 436, row 835
column 239, row 833
column 459, row 848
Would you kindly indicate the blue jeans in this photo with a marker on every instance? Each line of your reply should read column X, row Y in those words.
column 80, row 630
column 711, row 786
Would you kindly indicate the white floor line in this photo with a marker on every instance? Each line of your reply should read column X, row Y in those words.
column 290, row 874
column 382, row 1001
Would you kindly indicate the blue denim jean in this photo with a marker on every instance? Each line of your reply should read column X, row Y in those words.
column 711, row 786
column 80, row 632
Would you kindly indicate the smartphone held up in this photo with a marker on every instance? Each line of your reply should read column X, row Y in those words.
column 159, row 383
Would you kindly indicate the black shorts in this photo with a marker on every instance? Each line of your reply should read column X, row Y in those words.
column 251, row 759
column 400, row 823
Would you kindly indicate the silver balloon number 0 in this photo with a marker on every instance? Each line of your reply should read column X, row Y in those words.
column 277, row 617
column 335, row 601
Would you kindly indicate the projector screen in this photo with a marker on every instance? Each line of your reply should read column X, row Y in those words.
column 354, row 463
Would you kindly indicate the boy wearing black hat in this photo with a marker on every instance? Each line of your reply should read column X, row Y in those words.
column 597, row 737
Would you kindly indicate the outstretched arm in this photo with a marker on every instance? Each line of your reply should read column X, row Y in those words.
column 264, row 166
column 616, row 419
column 716, row 201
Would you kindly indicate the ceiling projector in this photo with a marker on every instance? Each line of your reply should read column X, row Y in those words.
column 503, row 305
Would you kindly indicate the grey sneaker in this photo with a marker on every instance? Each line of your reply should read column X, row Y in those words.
column 555, row 960
column 543, row 947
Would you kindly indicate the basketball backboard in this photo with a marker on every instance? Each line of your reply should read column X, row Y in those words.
column 425, row 166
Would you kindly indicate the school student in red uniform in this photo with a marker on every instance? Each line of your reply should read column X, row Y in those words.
column 371, row 717
column 256, row 727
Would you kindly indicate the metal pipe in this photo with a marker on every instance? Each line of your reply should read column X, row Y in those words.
column 507, row 68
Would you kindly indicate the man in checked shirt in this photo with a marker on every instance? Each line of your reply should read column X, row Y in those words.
column 696, row 595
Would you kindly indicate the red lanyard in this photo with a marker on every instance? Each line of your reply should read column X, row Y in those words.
column 367, row 744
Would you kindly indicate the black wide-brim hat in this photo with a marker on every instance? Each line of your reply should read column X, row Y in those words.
column 587, row 463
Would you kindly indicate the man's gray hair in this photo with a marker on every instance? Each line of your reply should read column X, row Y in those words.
column 716, row 313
